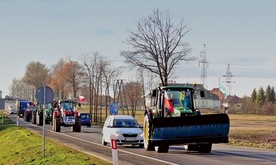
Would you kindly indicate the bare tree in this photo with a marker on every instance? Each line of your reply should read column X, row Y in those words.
column 57, row 83
column 109, row 75
column 134, row 95
column 89, row 66
column 73, row 74
column 100, row 74
column 157, row 45
column 141, row 77
column 35, row 75
column 21, row 90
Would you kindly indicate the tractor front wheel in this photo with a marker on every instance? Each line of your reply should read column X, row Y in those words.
column 147, row 133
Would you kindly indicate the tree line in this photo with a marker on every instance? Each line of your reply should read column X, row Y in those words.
column 261, row 102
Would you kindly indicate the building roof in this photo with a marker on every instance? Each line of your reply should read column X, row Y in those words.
column 233, row 99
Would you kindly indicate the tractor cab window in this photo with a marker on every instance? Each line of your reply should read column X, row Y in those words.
column 173, row 97
column 186, row 99
column 180, row 98
column 68, row 106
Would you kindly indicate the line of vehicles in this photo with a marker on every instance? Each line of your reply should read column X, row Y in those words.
column 173, row 119
column 57, row 113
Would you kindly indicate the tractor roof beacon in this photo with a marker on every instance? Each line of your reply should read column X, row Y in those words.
column 177, row 121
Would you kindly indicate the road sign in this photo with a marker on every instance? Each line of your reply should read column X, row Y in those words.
column 113, row 108
column 2, row 103
column 44, row 95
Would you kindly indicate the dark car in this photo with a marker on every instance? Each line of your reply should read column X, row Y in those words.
column 85, row 119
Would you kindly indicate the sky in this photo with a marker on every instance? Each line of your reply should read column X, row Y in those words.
column 239, row 33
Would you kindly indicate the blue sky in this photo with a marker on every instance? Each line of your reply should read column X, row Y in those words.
column 239, row 33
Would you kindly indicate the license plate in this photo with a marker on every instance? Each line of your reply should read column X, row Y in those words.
column 130, row 139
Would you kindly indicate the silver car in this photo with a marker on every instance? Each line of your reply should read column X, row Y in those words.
column 124, row 129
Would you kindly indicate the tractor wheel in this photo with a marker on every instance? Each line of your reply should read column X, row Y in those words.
column 33, row 118
column 53, row 124
column 27, row 117
column 205, row 148
column 162, row 149
column 39, row 119
column 57, row 124
column 191, row 147
column 24, row 118
column 77, row 126
column 147, row 134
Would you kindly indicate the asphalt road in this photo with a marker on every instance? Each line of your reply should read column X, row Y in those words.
column 89, row 141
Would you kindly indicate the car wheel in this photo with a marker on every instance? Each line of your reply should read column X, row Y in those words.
column 104, row 143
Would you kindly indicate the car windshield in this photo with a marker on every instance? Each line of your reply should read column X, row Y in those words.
column 125, row 123
column 85, row 116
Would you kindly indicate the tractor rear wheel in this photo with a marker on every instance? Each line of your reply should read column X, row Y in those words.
column 147, row 133
column 205, row 148
column 162, row 149
column 57, row 124
column 33, row 118
column 39, row 121
column 53, row 124
column 201, row 148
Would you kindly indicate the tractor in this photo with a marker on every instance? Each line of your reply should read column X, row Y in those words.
column 65, row 114
column 174, row 119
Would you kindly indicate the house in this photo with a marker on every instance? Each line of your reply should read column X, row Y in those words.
column 234, row 103
column 210, row 101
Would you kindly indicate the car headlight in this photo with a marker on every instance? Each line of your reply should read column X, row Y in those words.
column 141, row 134
column 118, row 134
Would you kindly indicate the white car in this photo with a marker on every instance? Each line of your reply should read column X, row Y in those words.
column 125, row 129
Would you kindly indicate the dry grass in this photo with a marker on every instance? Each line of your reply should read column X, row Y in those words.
column 253, row 130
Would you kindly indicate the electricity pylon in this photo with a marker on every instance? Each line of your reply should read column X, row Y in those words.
column 228, row 76
column 204, row 66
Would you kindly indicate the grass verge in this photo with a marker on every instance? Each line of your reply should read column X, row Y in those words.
column 21, row 146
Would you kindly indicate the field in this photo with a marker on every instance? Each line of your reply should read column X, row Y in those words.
column 253, row 131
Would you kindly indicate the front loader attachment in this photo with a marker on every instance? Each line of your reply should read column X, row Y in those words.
column 213, row 128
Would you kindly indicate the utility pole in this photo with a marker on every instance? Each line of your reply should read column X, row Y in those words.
column 204, row 65
column 228, row 76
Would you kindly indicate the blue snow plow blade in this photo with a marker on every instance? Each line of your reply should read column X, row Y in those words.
column 212, row 128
